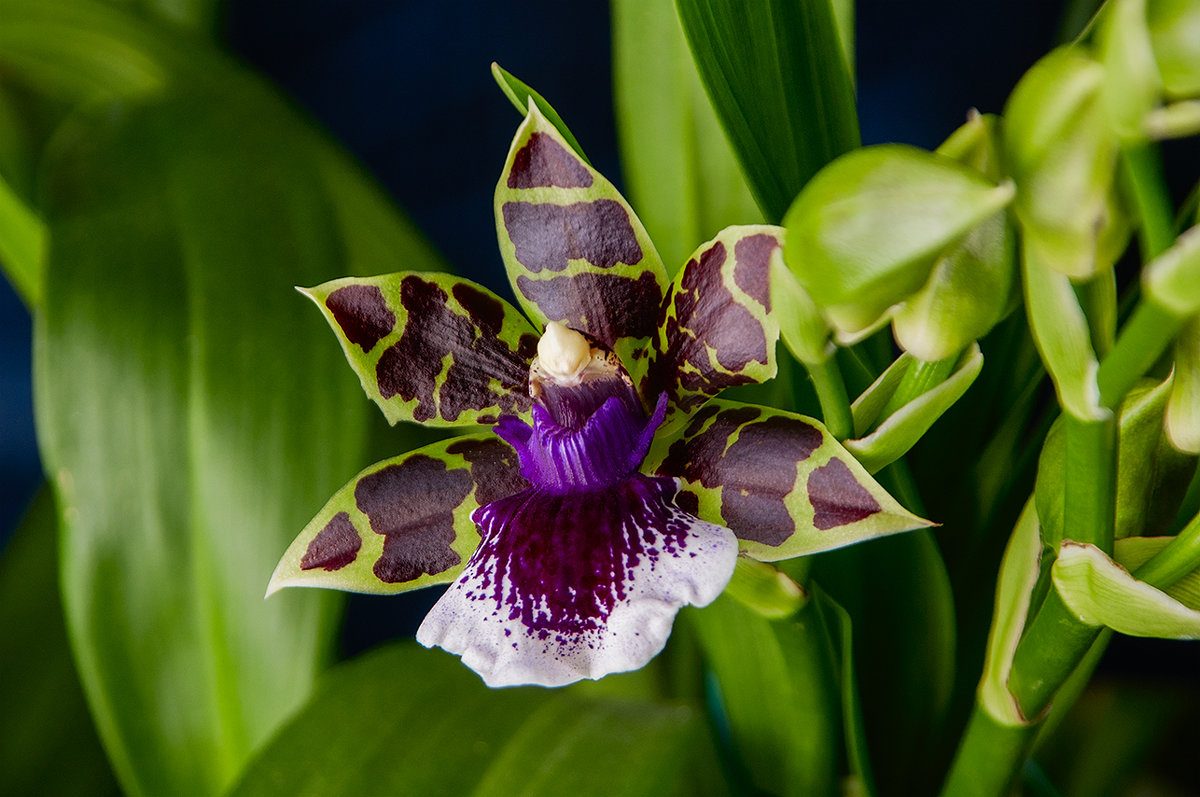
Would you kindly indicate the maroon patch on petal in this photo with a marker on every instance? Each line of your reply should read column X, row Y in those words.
column 334, row 547
column 605, row 306
column 547, row 236
column 412, row 505
column 494, row 468
column 544, row 162
column 754, row 474
column 837, row 497
column 752, row 268
column 362, row 314
column 411, row 367
column 706, row 318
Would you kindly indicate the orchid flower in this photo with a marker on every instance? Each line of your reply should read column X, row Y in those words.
column 611, row 491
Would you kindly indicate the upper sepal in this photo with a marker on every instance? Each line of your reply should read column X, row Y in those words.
column 432, row 347
column 780, row 481
column 575, row 251
column 403, row 523
column 716, row 329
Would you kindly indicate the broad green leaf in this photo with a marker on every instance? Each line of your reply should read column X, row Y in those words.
column 1173, row 278
column 404, row 523
column 48, row 745
column 403, row 720
column 1175, row 36
column 1182, row 419
column 574, row 249
column 778, row 77
column 971, row 286
column 865, row 232
column 1102, row 593
column 779, row 480
column 431, row 347
column 778, row 692
column 1062, row 156
column 1061, row 333
column 22, row 245
column 680, row 173
column 892, row 437
column 1014, row 591
column 521, row 96
column 715, row 327
column 1133, row 552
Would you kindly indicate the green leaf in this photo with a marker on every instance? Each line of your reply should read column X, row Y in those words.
column 779, row 480
column 778, row 692
column 22, row 245
column 1102, row 593
column 431, row 347
column 48, row 745
column 404, row 523
column 898, row 432
column 715, row 327
column 402, row 720
column 574, row 249
column 778, row 77
column 680, row 172
column 1060, row 330
column 520, row 95
column 1062, row 155
column 864, row 234
column 1182, row 419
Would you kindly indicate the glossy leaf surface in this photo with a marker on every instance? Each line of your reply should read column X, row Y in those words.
column 431, row 347
column 716, row 329
column 575, row 251
column 778, row 77
column 408, row 721
column 780, row 481
column 404, row 523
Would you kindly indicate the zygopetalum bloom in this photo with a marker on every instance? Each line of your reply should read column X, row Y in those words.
column 612, row 491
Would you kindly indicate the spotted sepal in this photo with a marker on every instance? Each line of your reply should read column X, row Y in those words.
column 431, row 347
column 575, row 251
column 779, row 480
column 404, row 523
column 715, row 328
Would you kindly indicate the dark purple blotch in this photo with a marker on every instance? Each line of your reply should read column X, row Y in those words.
column 563, row 561
column 706, row 317
column 606, row 306
column 547, row 236
column 494, row 468
column 755, row 473
column 412, row 505
column 543, row 162
column 411, row 367
column 837, row 497
column 362, row 314
column 752, row 267
column 334, row 547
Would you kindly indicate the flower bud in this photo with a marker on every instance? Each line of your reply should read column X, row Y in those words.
column 1132, row 86
column 1175, row 38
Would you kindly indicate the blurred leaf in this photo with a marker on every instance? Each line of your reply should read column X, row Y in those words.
column 1183, row 409
column 520, row 94
column 403, row 720
column 778, row 78
column 1175, row 36
column 22, row 245
column 680, row 171
column 48, row 745
column 778, row 691
column 1173, row 278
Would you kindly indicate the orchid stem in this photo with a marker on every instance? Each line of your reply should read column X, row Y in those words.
column 831, row 392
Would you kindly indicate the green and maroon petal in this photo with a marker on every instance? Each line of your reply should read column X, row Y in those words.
column 779, row 480
column 715, row 327
column 431, row 347
column 403, row 523
column 574, row 249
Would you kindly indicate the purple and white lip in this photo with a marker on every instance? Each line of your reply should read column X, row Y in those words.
column 582, row 573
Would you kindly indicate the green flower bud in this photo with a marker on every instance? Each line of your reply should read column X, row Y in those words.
column 1182, row 420
column 1132, row 86
column 1173, row 278
column 1062, row 154
column 971, row 285
column 1175, row 37
column 865, row 232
